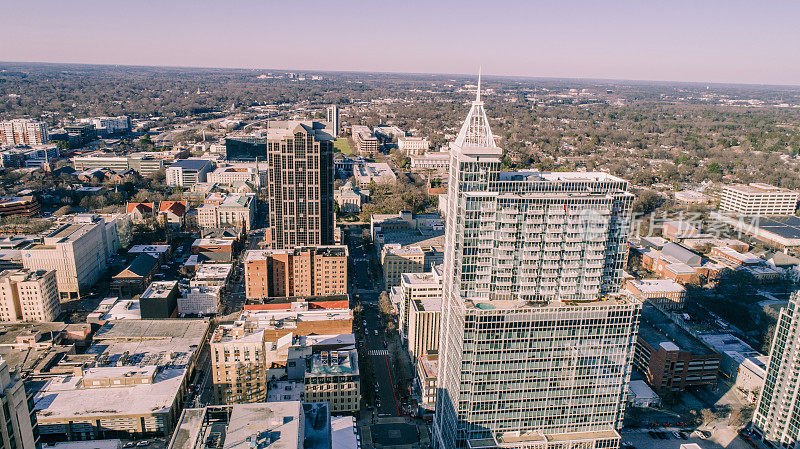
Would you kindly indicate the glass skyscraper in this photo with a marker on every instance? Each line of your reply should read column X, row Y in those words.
column 536, row 348
column 777, row 415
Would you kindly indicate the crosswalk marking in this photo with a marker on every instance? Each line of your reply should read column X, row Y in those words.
column 378, row 352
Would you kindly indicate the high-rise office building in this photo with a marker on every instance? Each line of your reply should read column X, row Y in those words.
column 534, row 351
column 333, row 119
column 300, row 184
column 777, row 415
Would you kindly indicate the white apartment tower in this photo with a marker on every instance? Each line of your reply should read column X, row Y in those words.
column 533, row 351
column 777, row 415
column 333, row 119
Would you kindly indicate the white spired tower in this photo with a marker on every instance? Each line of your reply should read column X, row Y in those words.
column 535, row 348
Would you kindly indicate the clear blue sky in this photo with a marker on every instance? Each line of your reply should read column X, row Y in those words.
column 698, row 40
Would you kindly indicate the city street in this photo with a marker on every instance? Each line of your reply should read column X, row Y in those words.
column 385, row 425
column 372, row 335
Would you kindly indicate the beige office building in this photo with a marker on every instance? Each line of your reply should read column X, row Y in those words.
column 397, row 259
column 29, row 296
column 76, row 251
column 431, row 161
column 238, row 367
column 235, row 211
column 254, row 350
column 365, row 140
column 412, row 145
column 758, row 199
column 415, row 287
column 424, row 319
column 234, row 175
column 332, row 377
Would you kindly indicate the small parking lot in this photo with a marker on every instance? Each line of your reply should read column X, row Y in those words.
column 721, row 438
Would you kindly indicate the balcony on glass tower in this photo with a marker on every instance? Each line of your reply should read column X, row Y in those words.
column 569, row 282
column 485, row 244
column 505, row 245
column 507, row 219
column 591, row 282
column 486, row 227
column 505, row 264
column 548, row 283
column 553, row 238
column 590, row 290
column 504, row 281
column 594, row 263
column 553, row 248
column 533, row 229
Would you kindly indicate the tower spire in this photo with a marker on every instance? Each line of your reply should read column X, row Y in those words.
column 478, row 93
column 475, row 131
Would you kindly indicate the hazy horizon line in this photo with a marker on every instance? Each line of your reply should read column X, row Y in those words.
column 466, row 75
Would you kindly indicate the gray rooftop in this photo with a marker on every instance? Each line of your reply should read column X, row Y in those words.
column 190, row 164
column 656, row 328
column 272, row 425
column 682, row 254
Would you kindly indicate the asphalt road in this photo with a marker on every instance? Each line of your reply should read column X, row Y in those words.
column 365, row 285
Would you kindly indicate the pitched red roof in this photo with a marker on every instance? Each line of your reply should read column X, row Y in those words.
column 176, row 207
column 144, row 208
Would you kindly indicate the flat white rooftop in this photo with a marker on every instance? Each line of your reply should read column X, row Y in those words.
column 159, row 289
column 63, row 397
column 213, row 271
column 658, row 286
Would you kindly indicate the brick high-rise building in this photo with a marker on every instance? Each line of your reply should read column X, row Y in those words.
column 23, row 131
column 300, row 184
column 302, row 271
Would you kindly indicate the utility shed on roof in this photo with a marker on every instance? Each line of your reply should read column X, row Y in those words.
column 682, row 254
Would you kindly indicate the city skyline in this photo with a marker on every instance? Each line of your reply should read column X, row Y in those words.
column 676, row 42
